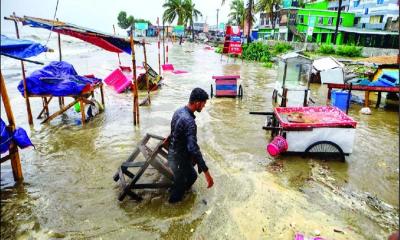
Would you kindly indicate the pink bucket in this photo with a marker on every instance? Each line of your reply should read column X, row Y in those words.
column 277, row 146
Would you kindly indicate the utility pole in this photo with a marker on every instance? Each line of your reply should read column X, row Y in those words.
column 337, row 22
column 217, row 18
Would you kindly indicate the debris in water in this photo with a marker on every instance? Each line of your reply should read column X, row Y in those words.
column 191, row 230
column 317, row 232
column 208, row 212
column 338, row 230
column 204, row 201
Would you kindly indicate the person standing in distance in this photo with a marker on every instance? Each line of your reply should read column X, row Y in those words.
column 183, row 150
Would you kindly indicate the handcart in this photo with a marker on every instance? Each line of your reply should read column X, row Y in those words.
column 226, row 86
column 323, row 131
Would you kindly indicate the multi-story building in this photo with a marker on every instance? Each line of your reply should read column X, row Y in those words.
column 371, row 14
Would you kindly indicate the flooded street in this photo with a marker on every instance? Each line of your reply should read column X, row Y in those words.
column 68, row 190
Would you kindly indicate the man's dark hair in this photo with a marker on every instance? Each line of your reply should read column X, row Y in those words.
column 198, row 95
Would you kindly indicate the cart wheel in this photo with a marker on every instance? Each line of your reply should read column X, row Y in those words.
column 240, row 92
column 275, row 96
column 212, row 91
column 325, row 150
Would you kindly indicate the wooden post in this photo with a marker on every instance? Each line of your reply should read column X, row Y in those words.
column 119, row 59
column 28, row 105
column 158, row 45
column 134, row 82
column 163, row 40
column 82, row 104
column 13, row 151
column 146, row 68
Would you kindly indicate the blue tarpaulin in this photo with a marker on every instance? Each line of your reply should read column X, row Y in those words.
column 20, row 48
column 57, row 79
column 19, row 137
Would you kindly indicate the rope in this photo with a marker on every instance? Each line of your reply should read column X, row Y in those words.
column 54, row 18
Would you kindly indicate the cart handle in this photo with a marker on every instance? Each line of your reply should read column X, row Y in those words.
column 262, row 113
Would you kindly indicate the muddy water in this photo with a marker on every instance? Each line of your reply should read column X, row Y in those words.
column 69, row 193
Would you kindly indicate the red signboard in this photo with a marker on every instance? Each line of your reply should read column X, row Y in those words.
column 232, row 42
column 235, row 48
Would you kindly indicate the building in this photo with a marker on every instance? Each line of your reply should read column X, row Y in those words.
column 371, row 14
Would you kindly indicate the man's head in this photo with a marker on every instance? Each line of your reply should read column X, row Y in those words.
column 198, row 99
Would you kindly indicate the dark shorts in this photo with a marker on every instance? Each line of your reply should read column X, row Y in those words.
column 184, row 177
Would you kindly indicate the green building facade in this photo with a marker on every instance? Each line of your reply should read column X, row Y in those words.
column 324, row 21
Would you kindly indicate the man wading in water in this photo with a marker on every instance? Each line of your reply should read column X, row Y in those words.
column 184, row 152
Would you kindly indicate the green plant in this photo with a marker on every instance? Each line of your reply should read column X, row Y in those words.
column 256, row 51
column 281, row 47
column 218, row 50
column 268, row 64
column 348, row 51
column 326, row 49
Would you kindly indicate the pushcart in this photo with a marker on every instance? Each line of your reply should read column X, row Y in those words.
column 227, row 86
column 323, row 131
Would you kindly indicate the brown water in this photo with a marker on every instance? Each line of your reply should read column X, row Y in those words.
column 68, row 191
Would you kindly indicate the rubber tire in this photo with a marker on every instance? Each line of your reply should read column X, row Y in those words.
column 332, row 144
column 240, row 92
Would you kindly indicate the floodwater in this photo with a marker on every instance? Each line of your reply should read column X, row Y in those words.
column 68, row 191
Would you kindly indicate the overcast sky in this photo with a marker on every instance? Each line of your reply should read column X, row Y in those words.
column 102, row 14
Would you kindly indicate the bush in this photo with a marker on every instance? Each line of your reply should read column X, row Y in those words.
column 282, row 47
column 326, row 49
column 349, row 51
column 268, row 64
column 256, row 51
column 218, row 50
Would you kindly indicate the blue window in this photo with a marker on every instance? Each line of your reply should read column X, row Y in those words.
column 366, row 11
column 379, row 2
column 356, row 3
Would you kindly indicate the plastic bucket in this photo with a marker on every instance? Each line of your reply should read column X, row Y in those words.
column 277, row 146
column 339, row 99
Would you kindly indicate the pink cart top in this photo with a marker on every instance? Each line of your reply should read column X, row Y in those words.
column 313, row 117
column 228, row 77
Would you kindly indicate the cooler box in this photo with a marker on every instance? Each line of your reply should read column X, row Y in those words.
column 226, row 86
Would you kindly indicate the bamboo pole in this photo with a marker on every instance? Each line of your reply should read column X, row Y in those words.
column 134, row 82
column 119, row 59
column 147, row 69
column 28, row 105
column 13, row 151
column 158, row 44
column 163, row 40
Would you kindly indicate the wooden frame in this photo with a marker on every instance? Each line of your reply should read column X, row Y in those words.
column 13, row 153
column 153, row 158
column 366, row 89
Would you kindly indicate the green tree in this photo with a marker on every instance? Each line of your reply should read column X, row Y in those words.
column 236, row 15
column 191, row 13
column 248, row 16
column 125, row 22
column 174, row 9
column 271, row 7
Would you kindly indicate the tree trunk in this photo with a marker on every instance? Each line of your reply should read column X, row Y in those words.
column 192, row 30
column 249, row 21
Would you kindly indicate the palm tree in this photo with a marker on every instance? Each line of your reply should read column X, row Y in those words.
column 174, row 8
column 269, row 6
column 236, row 16
column 249, row 18
column 191, row 13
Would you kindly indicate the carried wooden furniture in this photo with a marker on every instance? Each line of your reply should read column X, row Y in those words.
column 155, row 157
